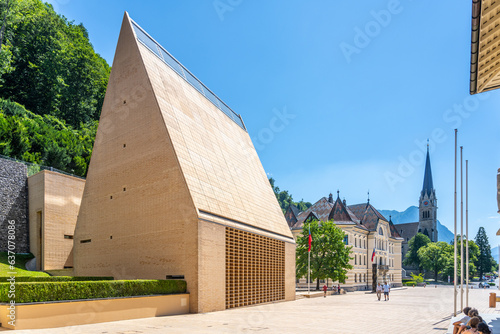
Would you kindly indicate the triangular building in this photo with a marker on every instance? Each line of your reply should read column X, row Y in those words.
column 175, row 188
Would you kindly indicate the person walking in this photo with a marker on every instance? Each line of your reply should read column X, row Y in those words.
column 387, row 289
column 338, row 289
column 379, row 291
column 324, row 290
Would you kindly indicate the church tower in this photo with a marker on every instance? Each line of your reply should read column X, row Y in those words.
column 427, row 222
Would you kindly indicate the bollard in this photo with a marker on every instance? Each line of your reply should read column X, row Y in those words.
column 493, row 299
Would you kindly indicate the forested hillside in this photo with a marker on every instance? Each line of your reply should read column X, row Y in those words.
column 52, row 86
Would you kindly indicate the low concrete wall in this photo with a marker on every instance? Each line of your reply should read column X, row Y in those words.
column 60, row 314
column 60, row 272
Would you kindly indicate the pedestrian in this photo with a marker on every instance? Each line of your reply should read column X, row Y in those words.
column 324, row 289
column 338, row 289
column 379, row 291
column 387, row 289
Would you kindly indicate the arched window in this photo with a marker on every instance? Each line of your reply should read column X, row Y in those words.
column 380, row 231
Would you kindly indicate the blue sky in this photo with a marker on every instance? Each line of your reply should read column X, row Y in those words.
column 335, row 96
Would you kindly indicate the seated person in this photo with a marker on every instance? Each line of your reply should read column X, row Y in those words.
column 472, row 326
column 472, row 313
column 463, row 321
column 483, row 328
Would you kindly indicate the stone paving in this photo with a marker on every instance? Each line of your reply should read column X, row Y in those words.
column 413, row 310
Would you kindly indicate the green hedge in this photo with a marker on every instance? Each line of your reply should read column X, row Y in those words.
column 29, row 292
column 55, row 279
column 409, row 283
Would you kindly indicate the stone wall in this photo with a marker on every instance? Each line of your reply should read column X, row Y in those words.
column 14, row 204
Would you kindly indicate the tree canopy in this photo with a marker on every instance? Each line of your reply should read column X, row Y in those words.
column 285, row 199
column 415, row 243
column 485, row 261
column 45, row 140
column 434, row 256
column 329, row 255
column 49, row 65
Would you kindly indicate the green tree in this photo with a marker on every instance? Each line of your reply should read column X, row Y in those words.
column 45, row 140
column 329, row 255
column 434, row 256
column 48, row 65
column 473, row 254
column 415, row 243
column 285, row 199
column 484, row 260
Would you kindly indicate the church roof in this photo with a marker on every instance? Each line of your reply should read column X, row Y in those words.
column 427, row 187
column 294, row 210
column 407, row 230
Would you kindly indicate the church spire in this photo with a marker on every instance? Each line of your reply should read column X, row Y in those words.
column 428, row 187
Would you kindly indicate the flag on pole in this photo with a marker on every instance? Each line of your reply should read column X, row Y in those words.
column 373, row 254
column 310, row 239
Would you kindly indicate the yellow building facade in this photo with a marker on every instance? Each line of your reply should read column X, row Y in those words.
column 367, row 232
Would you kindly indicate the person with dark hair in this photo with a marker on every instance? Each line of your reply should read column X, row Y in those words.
column 472, row 326
column 483, row 328
column 462, row 322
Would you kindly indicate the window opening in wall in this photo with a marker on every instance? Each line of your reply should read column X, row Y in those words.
column 67, row 236
column 85, row 241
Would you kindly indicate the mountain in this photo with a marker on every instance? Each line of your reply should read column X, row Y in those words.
column 410, row 215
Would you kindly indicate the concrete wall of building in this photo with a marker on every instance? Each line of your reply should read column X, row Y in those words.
column 73, row 313
column 164, row 155
column 14, row 205
column 137, row 218
column 54, row 204
column 36, row 184
column 212, row 267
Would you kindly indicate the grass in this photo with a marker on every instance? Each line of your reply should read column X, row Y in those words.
column 20, row 266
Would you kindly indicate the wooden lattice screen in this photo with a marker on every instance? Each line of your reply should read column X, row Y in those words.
column 255, row 268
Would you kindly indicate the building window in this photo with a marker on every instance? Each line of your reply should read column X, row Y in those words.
column 355, row 259
column 355, row 242
column 364, row 259
column 355, row 277
column 346, row 240
column 67, row 236
column 380, row 231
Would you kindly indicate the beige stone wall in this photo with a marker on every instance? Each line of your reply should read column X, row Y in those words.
column 55, row 198
column 212, row 267
column 36, row 218
column 162, row 153
column 289, row 271
column 137, row 218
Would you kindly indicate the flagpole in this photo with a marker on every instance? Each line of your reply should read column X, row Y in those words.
column 455, row 240
column 461, row 230
column 467, row 229
column 309, row 273
column 309, row 241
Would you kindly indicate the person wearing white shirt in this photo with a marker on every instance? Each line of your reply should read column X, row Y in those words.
column 387, row 289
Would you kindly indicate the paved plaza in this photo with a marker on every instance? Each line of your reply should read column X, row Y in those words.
column 410, row 310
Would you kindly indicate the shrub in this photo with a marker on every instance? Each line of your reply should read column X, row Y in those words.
column 417, row 278
column 55, row 279
column 409, row 283
column 30, row 292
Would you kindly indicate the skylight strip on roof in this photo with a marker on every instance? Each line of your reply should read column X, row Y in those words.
column 167, row 58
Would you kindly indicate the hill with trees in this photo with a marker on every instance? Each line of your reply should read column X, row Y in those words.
column 52, row 86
